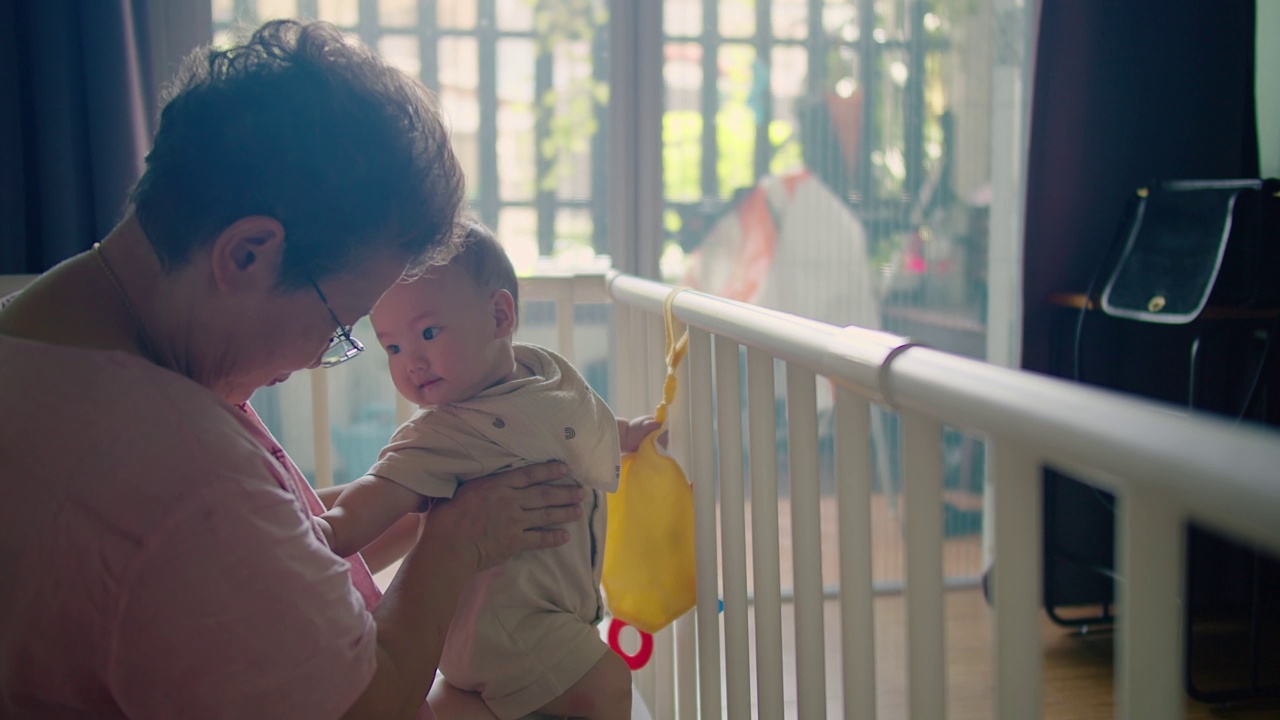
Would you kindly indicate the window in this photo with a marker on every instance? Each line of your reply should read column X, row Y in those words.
column 524, row 86
column 835, row 159
column 876, row 114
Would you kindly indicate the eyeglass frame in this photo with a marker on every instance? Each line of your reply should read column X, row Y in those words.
column 341, row 338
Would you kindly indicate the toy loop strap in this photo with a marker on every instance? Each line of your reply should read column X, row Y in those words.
column 675, row 352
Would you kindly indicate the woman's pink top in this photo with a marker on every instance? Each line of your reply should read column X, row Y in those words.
column 157, row 553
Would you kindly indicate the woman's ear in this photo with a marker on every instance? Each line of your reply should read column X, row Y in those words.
column 248, row 253
column 504, row 314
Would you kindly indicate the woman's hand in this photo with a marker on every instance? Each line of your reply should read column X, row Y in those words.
column 487, row 521
column 490, row 519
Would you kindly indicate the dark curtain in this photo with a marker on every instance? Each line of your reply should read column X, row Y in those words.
column 75, row 123
column 1125, row 92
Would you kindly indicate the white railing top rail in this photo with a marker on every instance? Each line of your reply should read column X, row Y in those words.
column 1220, row 473
column 553, row 285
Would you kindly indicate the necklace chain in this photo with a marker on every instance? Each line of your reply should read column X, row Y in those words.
column 124, row 298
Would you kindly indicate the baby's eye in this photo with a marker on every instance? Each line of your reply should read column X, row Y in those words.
column 430, row 333
column 393, row 349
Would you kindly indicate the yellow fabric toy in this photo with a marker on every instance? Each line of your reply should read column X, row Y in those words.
column 649, row 575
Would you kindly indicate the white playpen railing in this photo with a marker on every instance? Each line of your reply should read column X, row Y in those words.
column 1165, row 469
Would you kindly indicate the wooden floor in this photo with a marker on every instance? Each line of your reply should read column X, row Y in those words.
column 1077, row 668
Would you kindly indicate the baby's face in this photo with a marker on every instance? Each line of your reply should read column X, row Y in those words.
column 442, row 339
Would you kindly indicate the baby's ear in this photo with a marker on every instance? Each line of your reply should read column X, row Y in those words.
column 504, row 314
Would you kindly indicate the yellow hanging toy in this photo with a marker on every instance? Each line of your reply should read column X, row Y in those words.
column 649, row 573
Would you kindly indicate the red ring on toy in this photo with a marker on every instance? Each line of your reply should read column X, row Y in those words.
column 641, row 658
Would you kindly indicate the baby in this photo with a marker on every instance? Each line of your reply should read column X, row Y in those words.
column 523, row 635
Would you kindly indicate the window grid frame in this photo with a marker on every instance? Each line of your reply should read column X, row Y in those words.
column 881, row 214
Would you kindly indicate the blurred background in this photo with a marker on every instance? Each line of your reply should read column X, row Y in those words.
column 827, row 158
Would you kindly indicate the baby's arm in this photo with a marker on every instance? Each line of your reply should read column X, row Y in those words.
column 631, row 432
column 364, row 510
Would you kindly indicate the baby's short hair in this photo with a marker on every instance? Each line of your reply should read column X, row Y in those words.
column 484, row 260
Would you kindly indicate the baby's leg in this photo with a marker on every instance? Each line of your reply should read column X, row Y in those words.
column 604, row 693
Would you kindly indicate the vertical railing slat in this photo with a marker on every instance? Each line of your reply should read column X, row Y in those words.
column 564, row 319
column 686, row 669
column 664, row 674
column 806, row 541
column 321, row 434
column 766, row 582
column 1016, row 482
column 686, row 633
column 628, row 394
column 1150, row 554
column 651, row 366
column 624, row 377
column 655, row 359
column 853, row 501
column 733, row 530
column 703, row 476
column 922, row 510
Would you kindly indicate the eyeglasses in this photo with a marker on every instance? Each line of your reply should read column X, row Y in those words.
column 342, row 346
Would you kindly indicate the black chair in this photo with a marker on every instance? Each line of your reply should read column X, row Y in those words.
column 1185, row 308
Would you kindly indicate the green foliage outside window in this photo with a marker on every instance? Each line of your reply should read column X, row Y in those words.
column 567, row 29
column 735, row 139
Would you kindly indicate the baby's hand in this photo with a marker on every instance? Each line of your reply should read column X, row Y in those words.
column 631, row 432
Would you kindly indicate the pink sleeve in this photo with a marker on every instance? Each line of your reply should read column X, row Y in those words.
column 236, row 610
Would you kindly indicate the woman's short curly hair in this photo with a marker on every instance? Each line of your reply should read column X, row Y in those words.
column 350, row 155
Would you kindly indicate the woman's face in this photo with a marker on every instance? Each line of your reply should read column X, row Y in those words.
column 290, row 330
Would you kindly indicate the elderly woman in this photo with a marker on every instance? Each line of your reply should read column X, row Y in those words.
column 157, row 546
